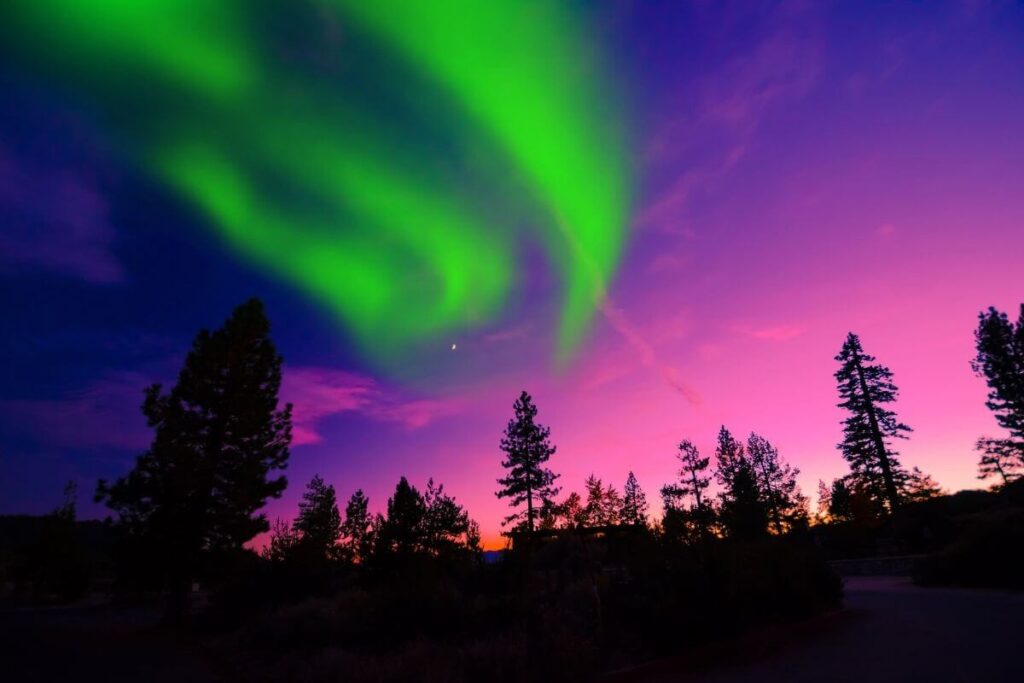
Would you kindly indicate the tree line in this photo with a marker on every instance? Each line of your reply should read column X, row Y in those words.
column 221, row 443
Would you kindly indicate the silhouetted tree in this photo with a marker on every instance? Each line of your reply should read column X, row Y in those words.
column 219, row 434
column 999, row 458
column 403, row 529
column 603, row 503
column 776, row 480
column 283, row 540
column 1000, row 360
column 692, row 482
column 527, row 446
column 729, row 457
column 319, row 521
column 357, row 529
column 743, row 513
column 865, row 388
column 572, row 513
column 445, row 522
column 920, row 486
column 824, row 502
column 634, row 503
column 840, row 503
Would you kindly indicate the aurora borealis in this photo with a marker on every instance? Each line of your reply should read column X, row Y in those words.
column 297, row 171
column 656, row 217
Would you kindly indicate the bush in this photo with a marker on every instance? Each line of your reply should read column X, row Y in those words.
column 989, row 553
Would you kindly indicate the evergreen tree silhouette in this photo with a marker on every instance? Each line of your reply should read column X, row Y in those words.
column 319, row 521
column 744, row 515
column 920, row 486
column 445, row 522
column 865, row 388
column 1000, row 360
column 219, row 435
column 596, row 509
column 403, row 529
column 634, row 503
column 1000, row 458
column 729, row 457
column 840, row 502
column 824, row 501
column 357, row 529
column 527, row 447
column 572, row 512
column 692, row 482
column 776, row 481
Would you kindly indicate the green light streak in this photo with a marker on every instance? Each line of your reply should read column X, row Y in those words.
column 329, row 198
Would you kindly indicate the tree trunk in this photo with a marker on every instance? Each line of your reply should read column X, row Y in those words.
column 876, row 435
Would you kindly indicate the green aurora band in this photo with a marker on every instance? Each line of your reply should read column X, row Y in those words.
column 300, row 175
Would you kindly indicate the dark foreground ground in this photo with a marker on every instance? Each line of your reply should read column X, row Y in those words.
column 890, row 631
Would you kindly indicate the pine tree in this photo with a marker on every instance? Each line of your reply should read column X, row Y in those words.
column 744, row 515
column 219, row 434
column 920, row 486
column 357, row 529
column 634, row 503
column 865, row 388
column 824, row 502
column 776, row 481
column 1000, row 360
column 527, row 446
column 729, row 457
column 692, row 480
column 402, row 531
column 1000, row 458
column 572, row 512
column 319, row 521
column 445, row 522
column 594, row 510
column 840, row 502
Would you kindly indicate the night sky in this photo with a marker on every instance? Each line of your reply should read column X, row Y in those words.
column 656, row 217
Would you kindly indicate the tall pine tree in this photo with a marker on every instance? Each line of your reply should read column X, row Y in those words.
column 527, row 446
column 692, row 482
column 1000, row 360
column 865, row 387
column 220, row 435
column 634, row 503
column 776, row 481
column 357, row 529
column 319, row 520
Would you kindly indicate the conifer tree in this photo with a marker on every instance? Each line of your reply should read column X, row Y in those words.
column 691, row 483
column 729, row 457
column 527, row 447
column 692, row 480
column 219, row 436
column 840, row 502
column 776, row 481
column 999, row 458
column 1000, row 360
column 319, row 521
column 445, row 522
column 634, row 503
column 572, row 512
column 357, row 529
column 824, row 501
column 744, row 515
column 865, row 387
column 920, row 486
column 402, row 531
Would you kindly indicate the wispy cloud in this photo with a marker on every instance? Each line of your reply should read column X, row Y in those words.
column 105, row 413
column 56, row 219
column 777, row 333
column 645, row 351
column 731, row 100
column 318, row 393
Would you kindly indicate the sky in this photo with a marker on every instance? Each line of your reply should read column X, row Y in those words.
column 656, row 217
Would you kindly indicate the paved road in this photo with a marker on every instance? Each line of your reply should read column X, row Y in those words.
column 893, row 632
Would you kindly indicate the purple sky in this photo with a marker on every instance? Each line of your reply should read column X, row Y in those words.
column 802, row 170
